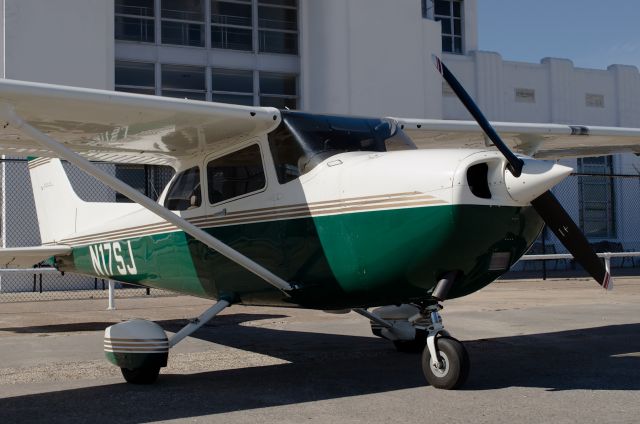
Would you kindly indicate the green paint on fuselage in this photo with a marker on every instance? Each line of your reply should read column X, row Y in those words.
column 337, row 261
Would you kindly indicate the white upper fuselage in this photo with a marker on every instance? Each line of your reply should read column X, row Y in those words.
column 343, row 183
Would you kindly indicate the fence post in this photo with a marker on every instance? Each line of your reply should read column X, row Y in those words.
column 544, row 251
column 112, row 302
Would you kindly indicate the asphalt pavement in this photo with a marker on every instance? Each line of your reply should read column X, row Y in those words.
column 558, row 351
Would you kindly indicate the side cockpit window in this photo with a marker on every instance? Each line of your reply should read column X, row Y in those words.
column 185, row 193
column 236, row 174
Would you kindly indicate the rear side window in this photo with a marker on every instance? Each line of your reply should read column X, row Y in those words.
column 185, row 192
column 235, row 174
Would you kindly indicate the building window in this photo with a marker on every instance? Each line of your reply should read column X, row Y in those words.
column 232, row 86
column 596, row 197
column 594, row 100
column 232, row 24
column 183, row 22
column 184, row 82
column 447, row 91
column 135, row 77
column 134, row 20
column 449, row 14
column 525, row 95
column 278, row 90
column 278, row 26
column 265, row 26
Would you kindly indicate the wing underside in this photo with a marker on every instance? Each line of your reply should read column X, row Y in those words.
column 125, row 128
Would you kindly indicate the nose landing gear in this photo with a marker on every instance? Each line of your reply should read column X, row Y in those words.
column 445, row 362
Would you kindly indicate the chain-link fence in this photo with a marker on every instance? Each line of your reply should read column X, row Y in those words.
column 20, row 228
column 607, row 209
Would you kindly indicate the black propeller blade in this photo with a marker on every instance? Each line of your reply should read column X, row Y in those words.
column 570, row 235
column 515, row 163
column 546, row 205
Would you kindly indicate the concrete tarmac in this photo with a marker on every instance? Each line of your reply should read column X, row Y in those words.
column 557, row 351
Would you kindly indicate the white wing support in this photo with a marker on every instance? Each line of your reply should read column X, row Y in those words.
column 542, row 141
column 27, row 257
column 8, row 113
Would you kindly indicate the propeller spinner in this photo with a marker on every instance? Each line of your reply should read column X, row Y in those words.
column 546, row 204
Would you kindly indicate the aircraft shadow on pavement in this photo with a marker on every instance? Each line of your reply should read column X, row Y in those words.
column 328, row 366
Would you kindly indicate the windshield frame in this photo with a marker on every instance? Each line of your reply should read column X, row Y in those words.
column 302, row 141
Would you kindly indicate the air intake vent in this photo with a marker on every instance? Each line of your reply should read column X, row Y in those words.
column 478, row 182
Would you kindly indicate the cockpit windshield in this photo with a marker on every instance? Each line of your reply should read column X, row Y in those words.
column 302, row 141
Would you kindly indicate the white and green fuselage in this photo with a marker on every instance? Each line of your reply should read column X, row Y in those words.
column 359, row 229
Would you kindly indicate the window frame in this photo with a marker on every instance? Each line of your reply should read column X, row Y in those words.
column 129, row 88
column 247, row 94
column 219, row 155
column 429, row 12
column 151, row 18
column 185, row 23
column 187, row 91
column 171, row 184
column 224, row 26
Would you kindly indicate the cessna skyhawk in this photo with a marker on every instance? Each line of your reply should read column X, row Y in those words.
column 284, row 208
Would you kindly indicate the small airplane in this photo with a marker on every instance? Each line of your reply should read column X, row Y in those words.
column 284, row 208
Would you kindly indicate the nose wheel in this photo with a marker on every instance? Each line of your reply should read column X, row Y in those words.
column 449, row 368
column 445, row 361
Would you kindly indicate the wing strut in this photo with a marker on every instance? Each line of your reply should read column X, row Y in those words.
column 116, row 184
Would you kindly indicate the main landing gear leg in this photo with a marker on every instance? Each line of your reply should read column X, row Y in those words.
column 140, row 348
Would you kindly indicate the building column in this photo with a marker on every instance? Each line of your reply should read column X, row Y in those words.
column 561, row 88
column 489, row 92
column 627, row 80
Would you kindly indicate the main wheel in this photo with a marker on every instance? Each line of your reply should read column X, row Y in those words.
column 146, row 375
column 454, row 361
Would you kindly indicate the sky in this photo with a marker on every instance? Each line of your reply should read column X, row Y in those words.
column 593, row 34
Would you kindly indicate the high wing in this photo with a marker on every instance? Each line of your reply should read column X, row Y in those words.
column 125, row 128
column 26, row 257
column 543, row 141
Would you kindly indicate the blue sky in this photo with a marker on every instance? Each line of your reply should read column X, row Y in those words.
column 593, row 34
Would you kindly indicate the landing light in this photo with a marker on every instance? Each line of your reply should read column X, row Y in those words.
column 500, row 261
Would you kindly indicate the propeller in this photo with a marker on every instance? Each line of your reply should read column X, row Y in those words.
column 547, row 206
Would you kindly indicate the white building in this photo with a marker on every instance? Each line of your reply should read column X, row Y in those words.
column 361, row 57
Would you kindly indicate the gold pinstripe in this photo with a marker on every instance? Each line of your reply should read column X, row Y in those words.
column 358, row 204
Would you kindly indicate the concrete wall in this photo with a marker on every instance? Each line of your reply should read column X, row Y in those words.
column 369, row 57
column 560, row 90
column 60, row 41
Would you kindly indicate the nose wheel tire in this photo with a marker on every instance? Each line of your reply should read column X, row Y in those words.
column 145, row 375
column 453, row 364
